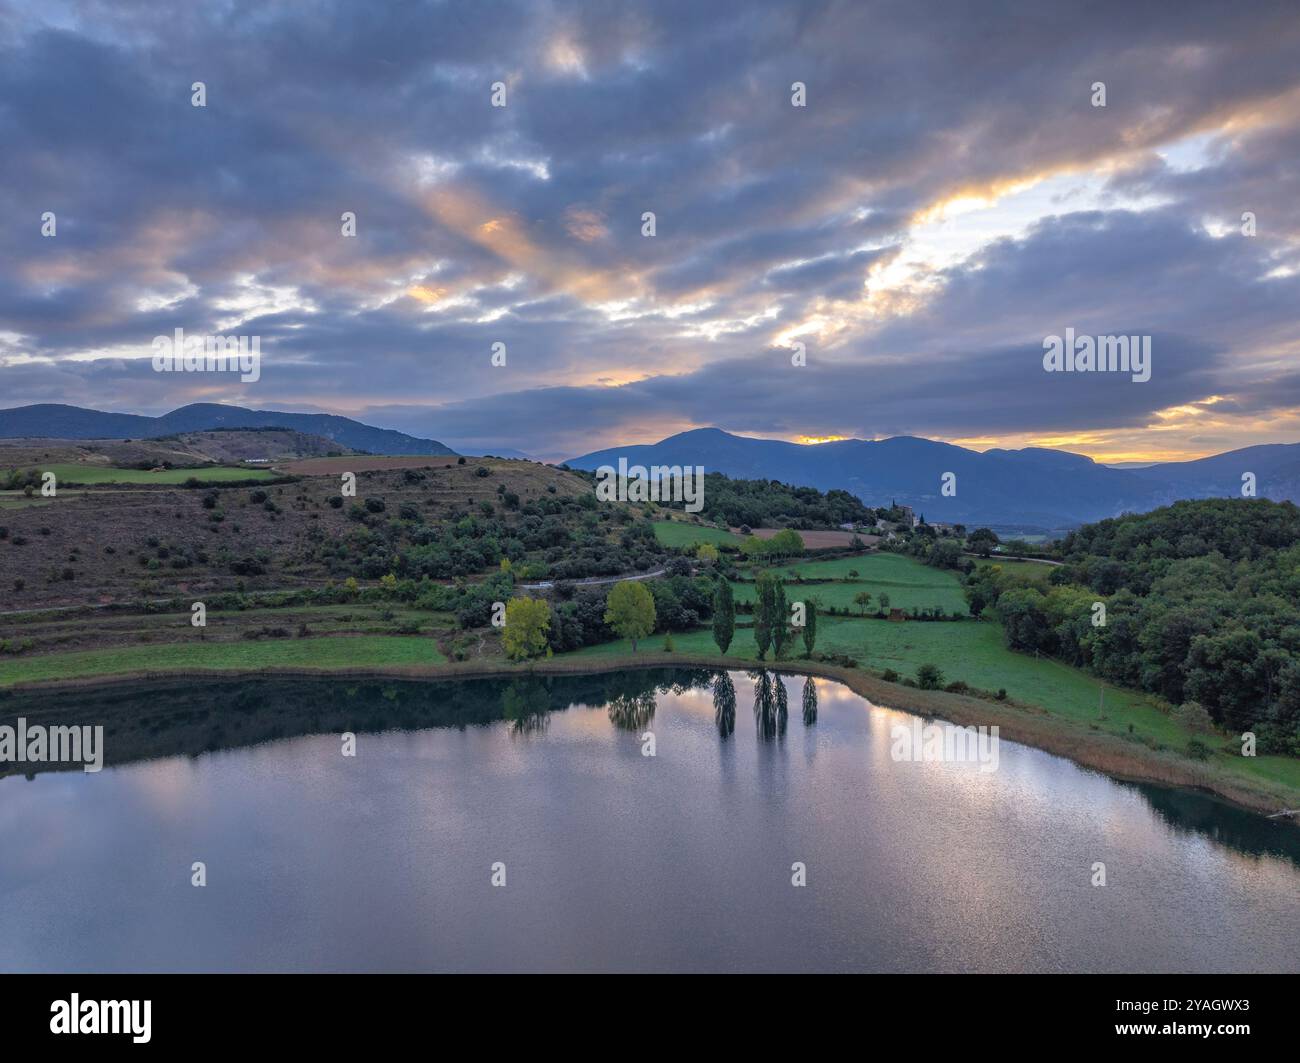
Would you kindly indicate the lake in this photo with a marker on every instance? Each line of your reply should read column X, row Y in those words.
column 613, row 860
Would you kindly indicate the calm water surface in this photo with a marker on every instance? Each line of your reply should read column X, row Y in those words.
column 614, row 860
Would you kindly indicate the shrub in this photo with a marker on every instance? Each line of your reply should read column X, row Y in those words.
column 1193, row 716
column 928, row 677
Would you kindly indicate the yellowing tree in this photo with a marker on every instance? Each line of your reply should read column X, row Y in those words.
column 630, row 611
column 707, row 552
column 527, row 622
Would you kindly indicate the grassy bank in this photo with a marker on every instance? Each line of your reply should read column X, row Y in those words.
column 1265, row 784
column 326, row 654
column 974, row 653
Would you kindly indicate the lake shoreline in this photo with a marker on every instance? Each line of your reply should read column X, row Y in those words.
column 1112, row 755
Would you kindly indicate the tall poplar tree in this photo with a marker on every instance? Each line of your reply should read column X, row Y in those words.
column 724, row 615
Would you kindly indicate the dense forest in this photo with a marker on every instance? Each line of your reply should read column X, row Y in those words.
column 1201, row 606
column 772, row 504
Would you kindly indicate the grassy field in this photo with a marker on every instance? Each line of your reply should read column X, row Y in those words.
column 677, row 533
column 194, row 656
column 103, row 474
column 908, row 583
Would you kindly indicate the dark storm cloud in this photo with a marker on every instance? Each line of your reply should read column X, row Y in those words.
column 522, row 225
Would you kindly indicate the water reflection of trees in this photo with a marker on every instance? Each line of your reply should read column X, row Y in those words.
column 163, row 718
column 632, row 712
column 764, row 704
column 525, row 704
column 724, row 704
column 771, row 704
column 182, row 717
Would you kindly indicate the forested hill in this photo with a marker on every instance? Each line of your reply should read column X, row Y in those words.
column 1202, row 606
column 1133, row 551
column 770, row 503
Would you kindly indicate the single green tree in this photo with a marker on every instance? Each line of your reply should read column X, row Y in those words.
column 764, row 603
column 630, row 611
column 928, row 677
column 884, row 603
column 862, row 599
column 724, row 615
column 809, row 626
column 781, row 632
column 786, row 543
column 527, row 622
column 982, row 541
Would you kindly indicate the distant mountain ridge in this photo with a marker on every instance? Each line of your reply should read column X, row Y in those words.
column 1030, row 488
column 57, row 421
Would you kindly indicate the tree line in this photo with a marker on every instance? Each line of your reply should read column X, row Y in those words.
column 1194, row 602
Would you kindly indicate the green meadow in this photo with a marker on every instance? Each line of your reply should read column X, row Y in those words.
column 196, row 656
column 677, row 533
column 908, row 583
column 104, row 474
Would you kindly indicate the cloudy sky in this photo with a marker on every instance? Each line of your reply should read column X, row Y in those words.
column 948, row 197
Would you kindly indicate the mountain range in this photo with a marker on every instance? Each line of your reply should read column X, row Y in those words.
column 56, row 421
column 1033, row 489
